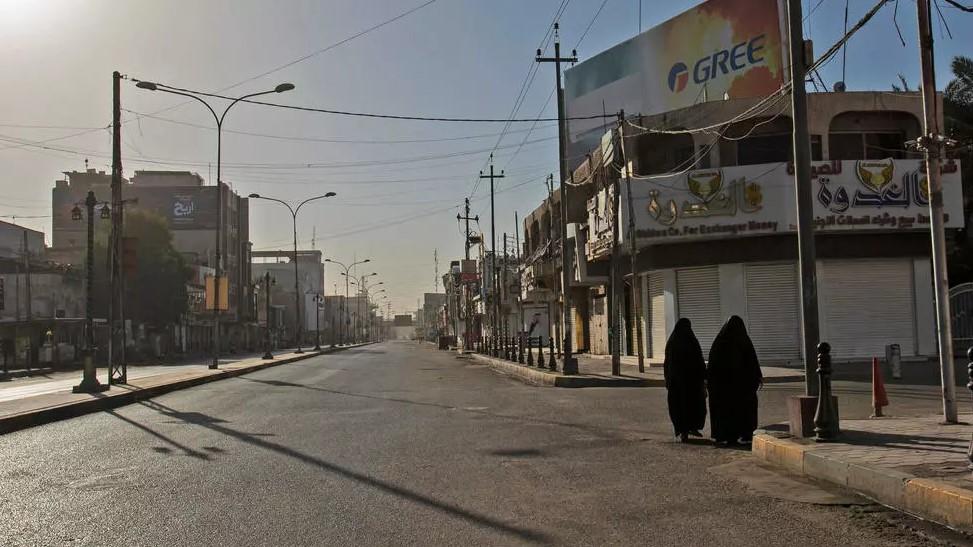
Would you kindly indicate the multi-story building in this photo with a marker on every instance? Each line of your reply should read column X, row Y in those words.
column 190, row 211
column 41, row 303
column 720, row 239
column 712, row 206
column 310, row 283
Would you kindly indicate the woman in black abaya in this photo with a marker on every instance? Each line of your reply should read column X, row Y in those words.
column 733, row 376
column 685, row 374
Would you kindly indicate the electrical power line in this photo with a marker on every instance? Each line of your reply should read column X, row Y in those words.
column 330, row 140
column 369, row 114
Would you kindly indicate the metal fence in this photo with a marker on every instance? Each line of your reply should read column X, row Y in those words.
column 961, row 306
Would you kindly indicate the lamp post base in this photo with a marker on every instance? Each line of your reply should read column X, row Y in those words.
column 268, row 355
column 569, row 365
column 89, row 382
column 317, row 348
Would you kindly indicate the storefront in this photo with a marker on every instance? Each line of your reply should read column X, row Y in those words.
column 720, row 242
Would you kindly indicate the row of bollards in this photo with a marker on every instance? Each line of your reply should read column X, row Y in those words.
column 518, row 349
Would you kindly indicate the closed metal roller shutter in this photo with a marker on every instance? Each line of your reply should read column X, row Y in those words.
column 698, row 297
column 773, row 310
column 868, row 304
column 657, row 316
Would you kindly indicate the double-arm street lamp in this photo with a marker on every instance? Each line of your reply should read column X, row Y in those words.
column 368, row 313
column 268, row 282
column 297, row 285
column 89, row 381
column 362, row 285
column 343, row 312
column 151, row 86
column 370, row 323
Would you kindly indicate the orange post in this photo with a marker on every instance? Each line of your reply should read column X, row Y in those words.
column 879, row 397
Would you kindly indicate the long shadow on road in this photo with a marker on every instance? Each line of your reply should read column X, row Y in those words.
column 216, row 425
column 600, row 429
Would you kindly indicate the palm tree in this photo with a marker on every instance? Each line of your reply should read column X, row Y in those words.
column 958, row 102
column 958, row 118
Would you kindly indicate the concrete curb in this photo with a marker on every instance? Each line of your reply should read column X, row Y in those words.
column 929, row 498
column 108, row 400
column 548, row 378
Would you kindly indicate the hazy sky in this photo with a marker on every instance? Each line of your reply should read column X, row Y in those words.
column 457, row 58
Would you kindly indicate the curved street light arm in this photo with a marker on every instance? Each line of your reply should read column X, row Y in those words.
column 238, row 99
column 282, row 202
column 216, row 117
column 315, row 198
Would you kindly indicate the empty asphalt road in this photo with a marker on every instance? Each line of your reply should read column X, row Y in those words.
column 396, row 444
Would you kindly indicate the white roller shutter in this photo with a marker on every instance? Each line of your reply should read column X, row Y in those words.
column 773, row 310
column 657, row 316
column 868, row 304
column 698, row 298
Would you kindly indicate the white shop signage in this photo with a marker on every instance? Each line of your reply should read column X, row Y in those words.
column 861, row 195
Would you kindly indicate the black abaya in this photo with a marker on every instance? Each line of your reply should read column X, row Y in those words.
column 685, row 374
column 734, row 376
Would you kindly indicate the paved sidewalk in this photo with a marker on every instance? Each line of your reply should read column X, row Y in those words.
column 596, row 372
column 52, row 382
column 655, row 376
column 915, row 464
column 29, row 403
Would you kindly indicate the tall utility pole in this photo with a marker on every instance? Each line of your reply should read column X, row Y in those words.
column 30, row 311
column 615, row 290
column 435, row 273
column 503, row 290
column 493, row 247
column 806, row 255
column 118, row 367
column 555, row 325
column 931, row 142
column 467, row 297
column 520, row 277
column 633, row 248
column 569, row 363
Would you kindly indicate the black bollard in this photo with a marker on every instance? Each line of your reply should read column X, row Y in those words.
column 530, row 351
column 540, row 352
column 520, row 348
column 553, row 364
column 826, row 417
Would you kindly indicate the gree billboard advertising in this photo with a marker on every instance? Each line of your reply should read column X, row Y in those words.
column 718, row 49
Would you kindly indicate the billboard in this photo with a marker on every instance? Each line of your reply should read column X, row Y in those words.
column 718, row 49
column 849, row 196
column 184, row 208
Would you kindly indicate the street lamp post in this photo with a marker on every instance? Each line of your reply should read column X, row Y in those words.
column 362, row 293
column 297, row 286
column 317, row 321
column 268, row 282
column 344, row 305
column 370, row 330
column 89, row 380
column 151, row 86
column 367, row 312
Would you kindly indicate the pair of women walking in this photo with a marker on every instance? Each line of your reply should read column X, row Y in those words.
column 731, row 376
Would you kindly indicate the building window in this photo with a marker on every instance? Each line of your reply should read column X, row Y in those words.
column 764, row 149
column 870, row 146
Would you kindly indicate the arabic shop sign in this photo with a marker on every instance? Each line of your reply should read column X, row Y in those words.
column 759, row 199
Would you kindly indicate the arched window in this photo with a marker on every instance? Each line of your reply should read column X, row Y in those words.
column 872, row 135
